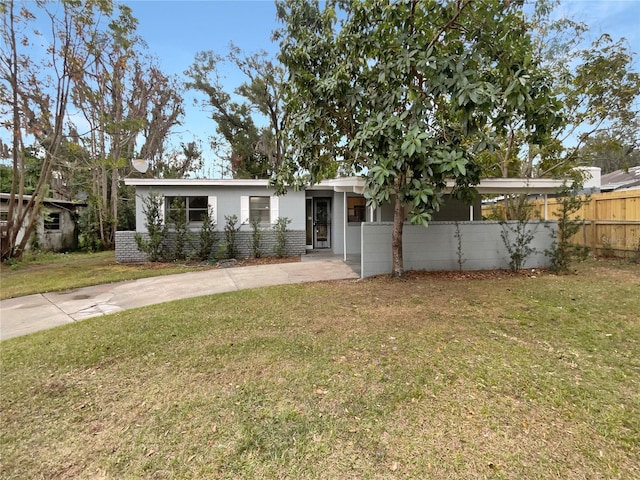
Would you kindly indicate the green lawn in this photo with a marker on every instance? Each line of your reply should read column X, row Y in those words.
column 48, row 272
column 439, row 377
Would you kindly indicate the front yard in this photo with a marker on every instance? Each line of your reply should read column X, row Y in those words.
column 487, row 376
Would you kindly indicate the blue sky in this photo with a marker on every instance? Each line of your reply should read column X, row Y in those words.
column 176, row 30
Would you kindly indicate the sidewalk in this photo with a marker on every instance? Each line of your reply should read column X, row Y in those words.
column 24, row 315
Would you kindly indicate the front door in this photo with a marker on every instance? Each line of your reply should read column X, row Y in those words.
column 321, row 223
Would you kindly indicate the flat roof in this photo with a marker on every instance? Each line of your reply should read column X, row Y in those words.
column 25, row 198
column 357, row 184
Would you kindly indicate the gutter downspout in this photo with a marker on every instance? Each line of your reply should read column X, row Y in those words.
column 546, row 217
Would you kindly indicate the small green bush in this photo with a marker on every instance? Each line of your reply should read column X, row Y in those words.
column 156, row 228
column 280, row 231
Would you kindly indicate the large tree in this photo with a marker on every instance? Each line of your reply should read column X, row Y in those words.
column 250, row 121
column 124, row 97
column 35, row 95
column 407, row 93
column 598, row 87
column 85, row 94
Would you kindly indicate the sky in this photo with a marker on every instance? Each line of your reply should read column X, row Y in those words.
column 175, row 30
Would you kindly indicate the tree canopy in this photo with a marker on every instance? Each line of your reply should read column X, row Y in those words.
column 599, row 90
column 408, row 94
column 253, row 149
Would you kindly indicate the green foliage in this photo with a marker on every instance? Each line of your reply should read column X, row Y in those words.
column 89, row 239
column 126, row 207
column 458, row 237
column 280, row 231
column 599, row 88
column 181, row 233
column 562, row 252
column 256, row 238
column 208, row 235
column 155, row 225
column 517, row 237
column 228, row 248
column 253, row 151
column 407, row 95
column 610, row 152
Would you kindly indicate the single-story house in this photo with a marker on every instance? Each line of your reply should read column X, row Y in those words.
column 333, row 216
column 56, row 227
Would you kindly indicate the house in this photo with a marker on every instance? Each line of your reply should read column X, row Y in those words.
column 56, row 227
column 621, row 180
column 333, row 215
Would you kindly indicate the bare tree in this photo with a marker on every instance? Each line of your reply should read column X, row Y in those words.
column 38, row 95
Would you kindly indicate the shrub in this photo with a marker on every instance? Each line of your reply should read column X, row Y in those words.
column 157, row 230
column 228, row 248
column 208, row 235
column 517, row 239
column 256, row 238
column 562, row 252
column 178, row 219
column 280, row 231
column 517, row 236
column 458, row 236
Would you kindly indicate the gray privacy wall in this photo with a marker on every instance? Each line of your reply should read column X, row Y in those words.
column 436, row 247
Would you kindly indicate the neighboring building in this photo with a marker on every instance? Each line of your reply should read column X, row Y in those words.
column 331, row 215
column 57, row 225
column 621, row 180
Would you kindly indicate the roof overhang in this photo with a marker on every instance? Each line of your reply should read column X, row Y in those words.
column 357, row 184
column 204, row 182
column 489, row 186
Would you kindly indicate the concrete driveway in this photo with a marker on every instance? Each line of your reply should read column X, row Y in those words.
column 24, row 315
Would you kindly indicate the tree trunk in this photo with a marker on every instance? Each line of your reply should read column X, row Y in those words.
column 397, row 269
column 114, row 206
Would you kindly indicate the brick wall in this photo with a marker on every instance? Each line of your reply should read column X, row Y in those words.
column 127, row 249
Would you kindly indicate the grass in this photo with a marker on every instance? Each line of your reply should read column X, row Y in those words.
column 505, row 376
column 49, row 272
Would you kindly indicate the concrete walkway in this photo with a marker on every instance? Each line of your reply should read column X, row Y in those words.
column 24, row 315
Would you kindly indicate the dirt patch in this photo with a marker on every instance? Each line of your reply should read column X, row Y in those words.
column 243, row 262
column 477, row 274
column 246, row 262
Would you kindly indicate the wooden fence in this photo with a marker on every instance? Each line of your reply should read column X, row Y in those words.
column 611, row 221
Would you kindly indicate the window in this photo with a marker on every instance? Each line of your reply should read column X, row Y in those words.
column 195, row 207
column 259, row 209
column 356, row 209
column 52, row 221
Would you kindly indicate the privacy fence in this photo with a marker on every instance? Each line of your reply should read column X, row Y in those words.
column 610, row 221
column 451, row 246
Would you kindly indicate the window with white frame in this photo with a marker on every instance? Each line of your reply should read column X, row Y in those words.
column 195, row 207
column 260, row 209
